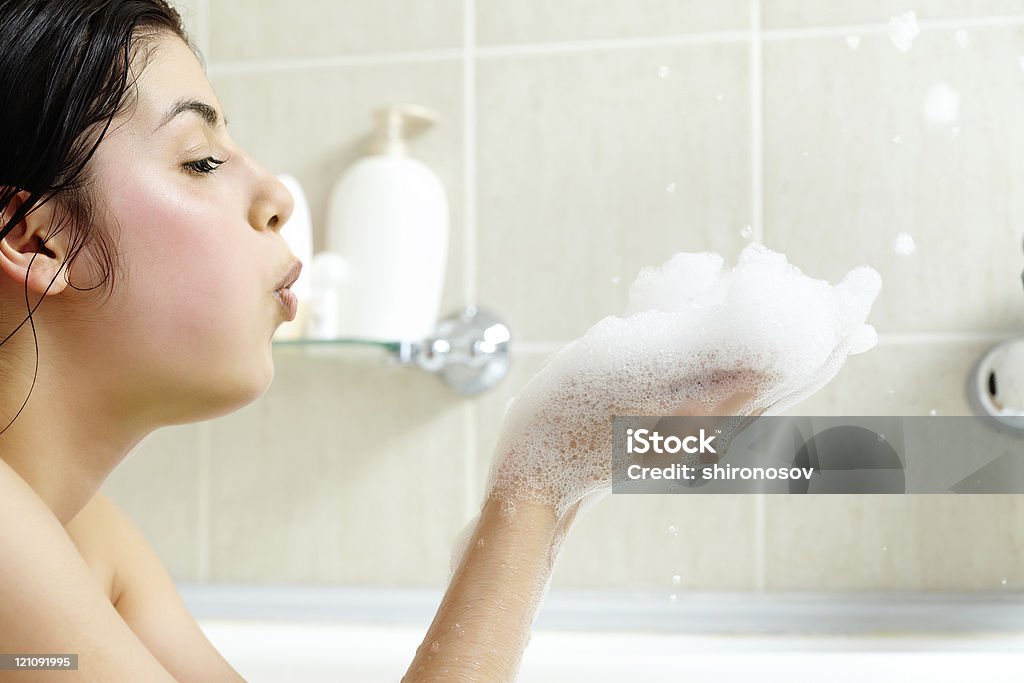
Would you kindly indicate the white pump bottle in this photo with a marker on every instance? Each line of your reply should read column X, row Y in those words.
column 388, row 217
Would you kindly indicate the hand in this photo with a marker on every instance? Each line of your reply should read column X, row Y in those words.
column 555, row 446
column 697, row 340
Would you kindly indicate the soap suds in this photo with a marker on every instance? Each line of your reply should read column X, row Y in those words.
column 693, row 334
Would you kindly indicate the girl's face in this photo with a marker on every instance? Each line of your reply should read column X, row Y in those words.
column 188, row 327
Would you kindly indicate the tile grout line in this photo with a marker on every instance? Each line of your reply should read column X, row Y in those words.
column 203, row 516
column 611, row 44
column 812, row 32
column 203, row 28
column 890, row 338
column 261, row 65
column 469, row 436
column 757, row 209
column 756, row 124
column 578, row 46
column 469, row 255
column 469, row 151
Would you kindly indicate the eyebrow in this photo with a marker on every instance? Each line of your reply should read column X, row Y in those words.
column 205, row 111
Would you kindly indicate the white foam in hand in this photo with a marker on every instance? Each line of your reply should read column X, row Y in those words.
column 693, row 335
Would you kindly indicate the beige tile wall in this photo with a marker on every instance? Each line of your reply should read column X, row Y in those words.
column 579, row 142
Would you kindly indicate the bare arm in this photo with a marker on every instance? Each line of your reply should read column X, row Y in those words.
column 51, row 603
column 483, row 623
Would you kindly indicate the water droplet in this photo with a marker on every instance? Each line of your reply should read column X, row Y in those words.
column 663, row 71
column 933, row 412
column 719, row 97
column 671, row 187
column 616, row 279
column 853, row 42
column 896, row 139
column 904, row 246
column 673, row 531
column 677, row 580
column 480, row 543
column 672, row 598
column 963, row 38
column 435, row 647
column 902, row 30
column 746, row 231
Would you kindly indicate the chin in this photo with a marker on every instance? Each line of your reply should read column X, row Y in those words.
column 247, row 385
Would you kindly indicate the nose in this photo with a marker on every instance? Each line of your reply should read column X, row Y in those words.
column 273, row 204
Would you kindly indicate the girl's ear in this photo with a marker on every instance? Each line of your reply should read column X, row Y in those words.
column 24, row 244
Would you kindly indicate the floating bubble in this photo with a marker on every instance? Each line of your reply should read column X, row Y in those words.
column 1003, row 582
column 963, row 38
column 672, row 598
column 955, row 130
column 671, row 187
column 672, row 530
column 941, row 104
column 903, row 29
column 616, row 279
column 719, row 97
column 435, row 647
column 746, row 231
column 677, row 580
column 933, row 412
column 663, row 71
column 896, row 139
column 853, row 42
column 904, row 244
column 1020, row 62
column 885, row 547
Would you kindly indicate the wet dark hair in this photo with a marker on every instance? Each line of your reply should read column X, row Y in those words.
column 66, row 73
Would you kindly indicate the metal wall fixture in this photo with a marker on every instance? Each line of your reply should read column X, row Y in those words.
column 996, row 384
column 996, row 387
column 468, row 350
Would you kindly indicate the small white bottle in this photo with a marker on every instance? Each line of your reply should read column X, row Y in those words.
column 298, row 234
column 388, row 216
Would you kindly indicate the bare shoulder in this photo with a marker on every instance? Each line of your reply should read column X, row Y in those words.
column 94, row 531
column 143, row 593
column 49, row 597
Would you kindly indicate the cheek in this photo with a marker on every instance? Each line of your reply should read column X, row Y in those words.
column 188, row 279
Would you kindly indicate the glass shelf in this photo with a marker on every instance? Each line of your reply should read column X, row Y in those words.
column 392, row 346
column 468, row 350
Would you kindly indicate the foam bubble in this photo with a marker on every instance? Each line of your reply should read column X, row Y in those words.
column 904, row 244
column 903, row 29
column 941, row 104
column 694, row 333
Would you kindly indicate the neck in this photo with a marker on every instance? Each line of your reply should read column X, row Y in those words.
column 67, row 438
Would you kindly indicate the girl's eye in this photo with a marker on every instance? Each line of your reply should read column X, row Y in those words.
column 203, row 166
